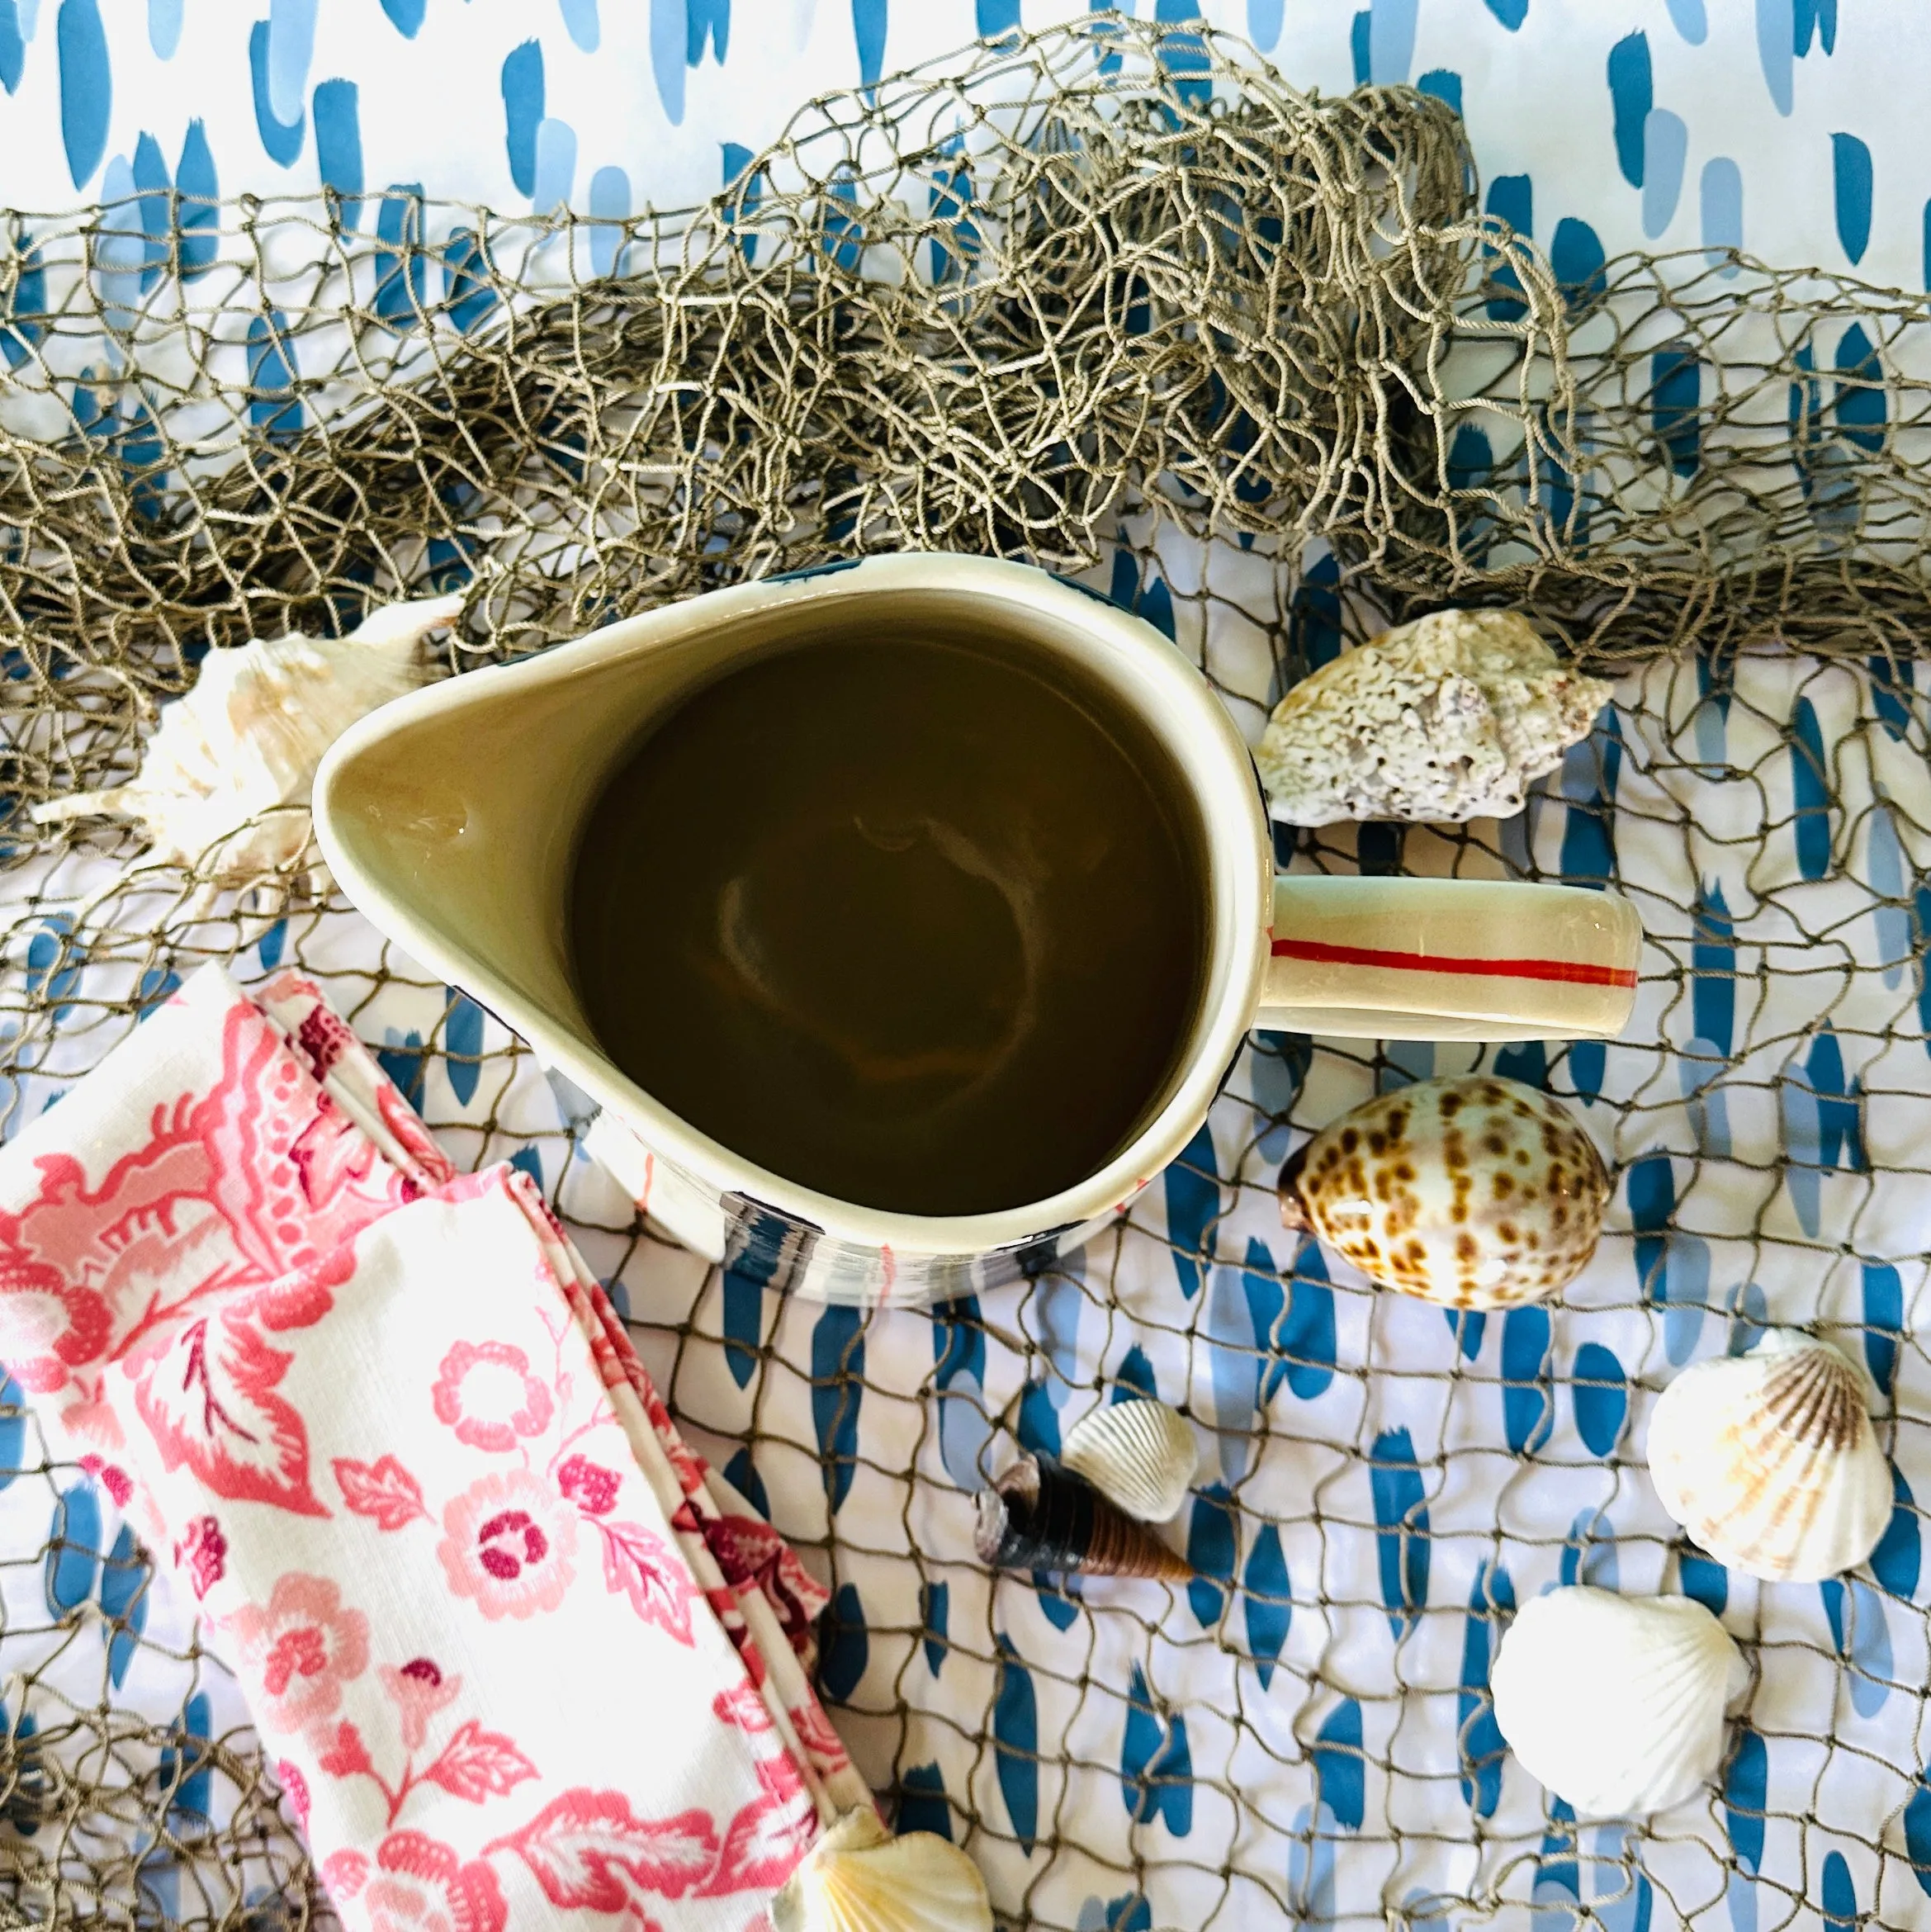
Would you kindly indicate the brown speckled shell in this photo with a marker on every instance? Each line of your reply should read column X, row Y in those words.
column 1472, row 1191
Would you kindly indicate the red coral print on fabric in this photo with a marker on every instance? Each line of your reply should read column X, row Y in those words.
column 332, row 1154
column 419, row 1690
column 297, row 1299
column 751, row 1554
column 507, row 1541
column 769, row 1836
column 297, row 1651
column 420, row 1885
column 294, row 1788
column 383, row 1490
column 208, row 1202
column 324, row 1036
column 477, row 1763
column 47, row 1328
column 743, row 1707
column 203, row 1551
column 588, row 1484
column 646, row 1568
column 208, row 1402
column 345, row 1755
column 587, row 1850
column 116, row 1481
column 411, row 1135
column 485, row 1393
column 344, row 1873
column 819, row 1742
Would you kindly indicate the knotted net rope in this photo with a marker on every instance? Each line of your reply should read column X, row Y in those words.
column 1118, row 301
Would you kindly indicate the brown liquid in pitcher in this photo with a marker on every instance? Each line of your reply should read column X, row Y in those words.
column 902, row 922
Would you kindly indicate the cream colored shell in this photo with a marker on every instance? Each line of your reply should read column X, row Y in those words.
column 1615, row 1704
column 247, row 741
column 1769, row 1460
column 859, row 1878
column 1445, row 718
column 1474, row 1192
column 1140, row 1455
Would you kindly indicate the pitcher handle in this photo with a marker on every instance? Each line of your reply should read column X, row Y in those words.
column 1440, row 958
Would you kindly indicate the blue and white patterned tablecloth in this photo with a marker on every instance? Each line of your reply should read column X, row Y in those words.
column 1288, row 1734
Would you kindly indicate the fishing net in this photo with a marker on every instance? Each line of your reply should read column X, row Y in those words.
column 1118, row 301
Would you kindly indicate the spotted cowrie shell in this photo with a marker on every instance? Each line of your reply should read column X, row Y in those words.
column 1474, row 1192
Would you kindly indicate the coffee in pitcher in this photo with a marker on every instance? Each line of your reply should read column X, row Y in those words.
column 916, row 923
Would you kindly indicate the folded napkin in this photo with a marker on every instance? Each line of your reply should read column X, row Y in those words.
column 516, row 1662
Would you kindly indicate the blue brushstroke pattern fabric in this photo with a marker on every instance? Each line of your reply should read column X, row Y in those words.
column 1776, row 127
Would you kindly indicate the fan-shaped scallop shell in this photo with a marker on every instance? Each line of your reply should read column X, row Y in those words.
column 859, row 1878
column 1474, row 1192
column 1615, row 1703
column 1139, row 1454
column 1769, row 1460
column 1040, row 1516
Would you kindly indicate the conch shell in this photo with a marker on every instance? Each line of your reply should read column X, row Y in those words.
column 1139, row 1454
column 1769, row 1460
column 1615, row 1703
column 1474, row 1191
column 858, row 1877
column 1445, row 718
column 247, row 739
column 1040, row 1515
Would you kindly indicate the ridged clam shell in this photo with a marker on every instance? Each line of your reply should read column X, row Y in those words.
column 1474, row 1192
column 1139, row 1454
column 1615, row 1703
column 1769, row 1460
column 1040, row 1515
column 859, row 1878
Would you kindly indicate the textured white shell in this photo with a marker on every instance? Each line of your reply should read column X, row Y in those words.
column 1471, row 1190
column 1445, row 718
column 1140, row 1455
column 859, row 1878
column 1615, row 1703
column 1769, row 1460
column 247, row 738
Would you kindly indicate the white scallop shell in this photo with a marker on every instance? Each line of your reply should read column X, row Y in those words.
column 1445, row 718
column 247, row 738
column 1615, row 1703
column 1140, row 1455
column 859, row 1878
column 1769, row 1460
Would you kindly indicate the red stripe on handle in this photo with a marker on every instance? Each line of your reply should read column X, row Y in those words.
column 1570, row 972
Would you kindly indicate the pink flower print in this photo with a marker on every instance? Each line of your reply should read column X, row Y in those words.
column 203, row 1553
column 114, row 1480
column 294, row 1788
column 419, row 1690
column 588, row 1484
column 47, row 1325
column 487, row 1395
column 344, row 1873
column 419, row 1885
column 507, row 1541
column 298, row 1652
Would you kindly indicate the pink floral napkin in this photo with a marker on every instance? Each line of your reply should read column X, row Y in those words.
column 518, row 1666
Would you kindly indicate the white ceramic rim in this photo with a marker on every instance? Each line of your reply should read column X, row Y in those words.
column 1175, row 703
